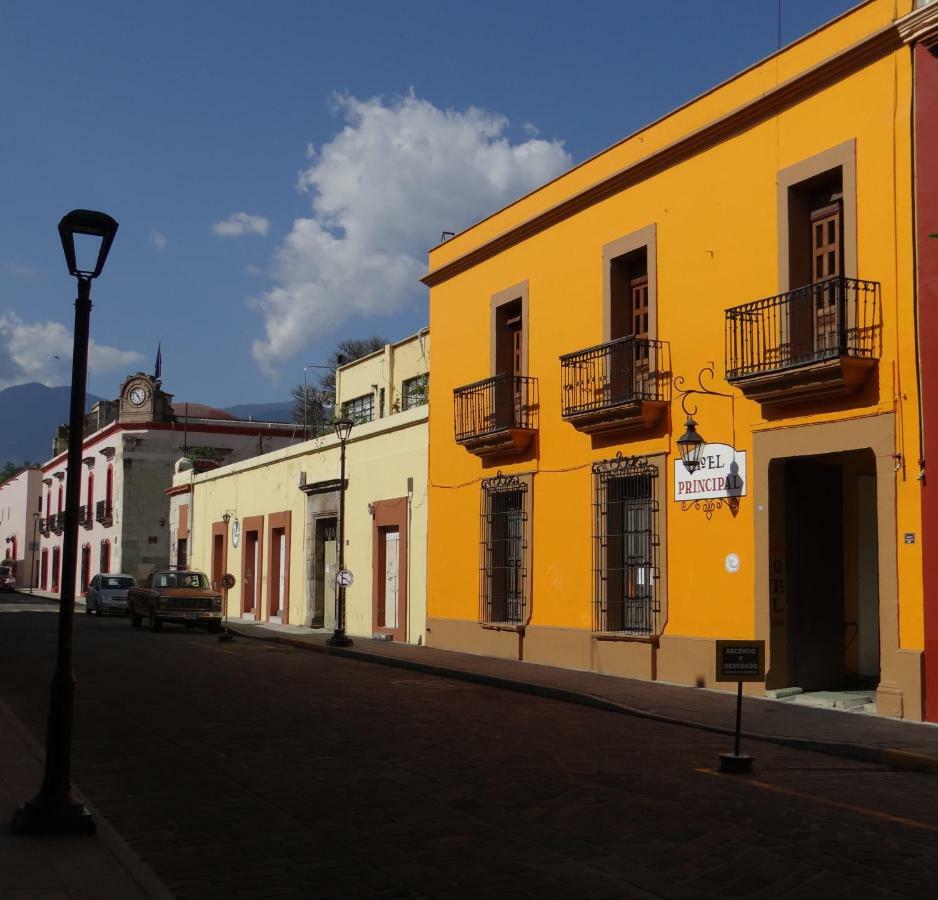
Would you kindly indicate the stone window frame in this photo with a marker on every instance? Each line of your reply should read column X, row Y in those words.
column 644, row 238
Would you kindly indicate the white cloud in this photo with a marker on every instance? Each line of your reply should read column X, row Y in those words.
column 241, row 223
column 20, row 271
column 42, row 351
column 158, row 239
column 382, row 190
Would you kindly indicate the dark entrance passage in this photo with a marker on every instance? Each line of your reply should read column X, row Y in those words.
column 825, row 572
column 814, row 525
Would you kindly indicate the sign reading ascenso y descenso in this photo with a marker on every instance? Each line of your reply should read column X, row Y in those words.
column 722, row 473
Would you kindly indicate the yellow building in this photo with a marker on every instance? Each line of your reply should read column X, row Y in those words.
column 271, row 521
column 755, row 246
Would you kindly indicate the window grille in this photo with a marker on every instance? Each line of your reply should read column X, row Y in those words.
column 503, row 569
column 625, row 554
column 414, row 392
column 360, row 409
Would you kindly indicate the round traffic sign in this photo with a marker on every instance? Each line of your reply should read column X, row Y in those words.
column 344, row 578
column 228, row 581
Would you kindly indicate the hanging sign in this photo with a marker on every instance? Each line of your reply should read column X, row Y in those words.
column 722, row 473
column 235, row 533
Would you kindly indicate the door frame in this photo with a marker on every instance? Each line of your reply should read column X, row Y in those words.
column 248, row 524
column 279, row 520
column 390, row 514
column 218, row 528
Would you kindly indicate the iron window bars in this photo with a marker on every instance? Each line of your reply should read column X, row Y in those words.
column 495, row 404
column 414, row 392
column 625, row 546
column 622, row 371
column 821, row 321
column 359, row 409
column 503, row 575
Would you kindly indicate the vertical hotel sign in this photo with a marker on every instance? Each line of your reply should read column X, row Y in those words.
column 722, row 475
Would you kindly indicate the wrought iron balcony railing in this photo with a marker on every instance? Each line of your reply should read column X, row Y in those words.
column 57, row 522
column 620, row 384
column 44, row 525
column 84, row 516
column 496, row 414
column 822, row 321
column 103, row 512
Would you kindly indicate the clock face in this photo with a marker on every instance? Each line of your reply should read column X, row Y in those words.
column 137, row 396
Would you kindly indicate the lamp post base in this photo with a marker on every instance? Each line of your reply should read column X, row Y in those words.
column 68, row 817
column 339, row 639
column 736, row 763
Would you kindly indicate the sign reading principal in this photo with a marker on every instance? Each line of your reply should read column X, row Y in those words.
column 722, row 473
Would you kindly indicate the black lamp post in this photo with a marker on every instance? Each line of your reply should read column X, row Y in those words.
column 55, row 809
column 32, row 557
column 691, row 444
column 343, row 428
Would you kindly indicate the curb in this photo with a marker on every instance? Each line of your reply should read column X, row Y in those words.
column 906, row 760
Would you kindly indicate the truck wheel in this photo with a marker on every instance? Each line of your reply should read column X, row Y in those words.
column 135, row 618
column 153, row 623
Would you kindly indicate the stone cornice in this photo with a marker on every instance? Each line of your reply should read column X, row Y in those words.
column 920, row 26
column 851, row 59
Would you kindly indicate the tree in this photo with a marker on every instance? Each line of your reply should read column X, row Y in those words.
column 320, row 401
column 11, row 468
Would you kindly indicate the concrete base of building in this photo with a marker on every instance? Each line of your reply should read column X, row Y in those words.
column 673, row 659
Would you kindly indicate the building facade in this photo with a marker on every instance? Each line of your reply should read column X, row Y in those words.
column 748, row 263
column 272, row 521
column 129, row 452
column 19, row 525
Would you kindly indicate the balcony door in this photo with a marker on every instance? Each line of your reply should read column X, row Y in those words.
column 509, row 365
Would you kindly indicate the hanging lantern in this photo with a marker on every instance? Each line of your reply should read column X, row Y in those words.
column 691, row 445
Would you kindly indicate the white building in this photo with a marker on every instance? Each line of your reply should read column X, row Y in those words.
column 129, row 451
column 20, row 501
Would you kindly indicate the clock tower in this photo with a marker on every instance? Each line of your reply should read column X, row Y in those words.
column 143, row 400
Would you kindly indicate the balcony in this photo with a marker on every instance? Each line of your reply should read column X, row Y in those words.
column 821, row 340
column 624, row 385
column 103, row 512
column 84, row 517
column 497, row 415
column 44, row 526
column 57, row 522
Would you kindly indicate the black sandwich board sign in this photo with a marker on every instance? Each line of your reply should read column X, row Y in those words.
column 739, row 661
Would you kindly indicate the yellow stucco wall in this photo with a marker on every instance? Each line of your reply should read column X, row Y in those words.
column 717, row 246
column 380, row 457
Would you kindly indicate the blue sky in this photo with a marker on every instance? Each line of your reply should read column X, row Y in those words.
column 279, row 169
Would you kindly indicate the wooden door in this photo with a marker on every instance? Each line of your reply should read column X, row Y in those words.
column 249, row 580
column 826, row 247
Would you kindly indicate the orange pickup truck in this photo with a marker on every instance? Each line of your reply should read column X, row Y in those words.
column 186, row 598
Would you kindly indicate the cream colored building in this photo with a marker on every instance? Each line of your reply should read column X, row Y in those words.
column 271, row 521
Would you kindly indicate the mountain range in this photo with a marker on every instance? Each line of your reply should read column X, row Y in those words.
column 30, row 413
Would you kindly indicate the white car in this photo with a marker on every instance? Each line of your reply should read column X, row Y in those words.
column 107, row 593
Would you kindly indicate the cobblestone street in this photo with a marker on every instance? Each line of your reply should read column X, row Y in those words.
column 252, row 770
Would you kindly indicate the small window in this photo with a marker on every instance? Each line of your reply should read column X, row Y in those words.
column 414, row 392
column 626, row 544
column 504, row 550
column 359, row 410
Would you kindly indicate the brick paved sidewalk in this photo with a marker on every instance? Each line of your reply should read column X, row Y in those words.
column 900, row 744
column 56, row 868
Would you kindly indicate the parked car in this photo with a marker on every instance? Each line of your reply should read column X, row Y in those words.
column 7, row 579
column 175, row 596
column 107, row 593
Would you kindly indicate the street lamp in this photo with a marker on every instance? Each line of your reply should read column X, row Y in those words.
column 343, row 428
column 55, row 809
column 32, row 558
column 691, row 444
